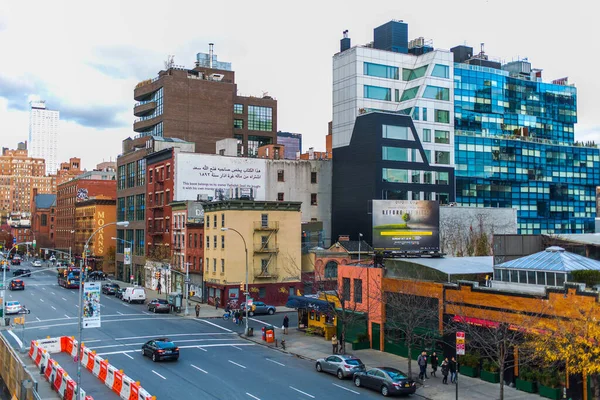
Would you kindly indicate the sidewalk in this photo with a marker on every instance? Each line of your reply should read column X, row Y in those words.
column 314, row 347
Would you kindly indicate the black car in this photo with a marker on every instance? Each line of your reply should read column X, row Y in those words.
column 388, row 381
column 97, row 275
column 16, row 284
column 22, row 272
column 160, row 349
column 119, row 293
column 110, row 288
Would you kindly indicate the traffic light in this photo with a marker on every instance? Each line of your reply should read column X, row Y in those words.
column 157, row 275
column 242, row 286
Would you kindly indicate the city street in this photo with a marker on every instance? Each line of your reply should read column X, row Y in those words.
column 214, row 362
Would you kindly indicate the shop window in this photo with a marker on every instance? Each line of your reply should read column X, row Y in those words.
column 262, row 292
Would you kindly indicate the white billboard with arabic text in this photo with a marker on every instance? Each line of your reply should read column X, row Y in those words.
column 214, row 177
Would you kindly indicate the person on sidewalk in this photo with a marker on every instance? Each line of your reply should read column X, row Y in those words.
column 445, row 369
column 422, row 362
column 158, row 287
column 217, row 303
column 453, row 367
column 236, row 316
column 197, row 310
column 286, row 324
column 434, row 363
column 334, row 344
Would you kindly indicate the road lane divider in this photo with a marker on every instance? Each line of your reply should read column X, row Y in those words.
column 40, row 352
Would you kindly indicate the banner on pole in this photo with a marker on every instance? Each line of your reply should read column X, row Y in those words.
column 91, row 305
column 127, row 256
column 460, row 343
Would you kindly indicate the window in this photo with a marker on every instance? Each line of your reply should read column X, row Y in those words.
column 215, row 221
column 150, row 174
column 437, row 93
column 214, row 265
column 380, row 71
column 141, row 172
column 222, row 241
column 410, row 74
column 264, row 266
column 396, row 132
column 427, row 155
column 442, row 157
column 196, row 239
column 215, row 241
column 120, row 241
column 441, row 178
column 130, row 174
column 121, row 181
column 313, row 177
column 222, row 265
column 168, row 196
column 238, row 108
column 207, row 264
column 279, row 196
column 358, row 290
column 238, row 123
column 442, row 137
column 313, row 199
column 140, row 207
column 260, row 118
column 262, row 292
column 207, row 242
column 441, row 71
column 442, row 116
column 44, row 220
column 280, row 176
column 222, row 220
column 139, row 242
column 416, row 177
column 424, row 114
column 264, row 219
column 345, row 289
column 427, row 135
column 394, row 153
column 121, row 209
column 377, row 93
column 427, row 177
column 408, row 94
column 397, row 95
column 395, row 175
column 168, row 172
column 416, row 196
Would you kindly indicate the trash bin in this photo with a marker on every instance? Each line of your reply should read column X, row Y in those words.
column 270, row 336
column 7, row 321
column 250, row 331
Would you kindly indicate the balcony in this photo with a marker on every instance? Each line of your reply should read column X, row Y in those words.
column 156, row 231
column 266, row 249
column 266, row 226
column 144, row 108
column 142, row 124
column 268, row 273
column 144, row 88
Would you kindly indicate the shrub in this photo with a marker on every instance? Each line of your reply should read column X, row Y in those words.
column 550, row 379
column 470, row 360
column 362, row 337
column 490, row 366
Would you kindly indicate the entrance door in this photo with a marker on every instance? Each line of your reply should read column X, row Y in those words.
column 376, row 339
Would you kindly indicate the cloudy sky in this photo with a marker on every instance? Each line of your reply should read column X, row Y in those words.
column 84, row 58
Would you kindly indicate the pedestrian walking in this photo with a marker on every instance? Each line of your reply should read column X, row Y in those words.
column 422, row 362
column 453, row 367
column 434, row 363
column 197, row 310
column 334, row 344
column 445, row 369
column 236, row 316
column 158, row 287
column 217, row 303
column 286, row 324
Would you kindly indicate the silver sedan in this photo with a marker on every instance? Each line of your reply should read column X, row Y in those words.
column 343, row 366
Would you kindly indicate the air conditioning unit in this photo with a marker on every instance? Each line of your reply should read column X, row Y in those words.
column 216, row 77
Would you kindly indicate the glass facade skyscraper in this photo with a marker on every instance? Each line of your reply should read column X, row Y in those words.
column 514, row 147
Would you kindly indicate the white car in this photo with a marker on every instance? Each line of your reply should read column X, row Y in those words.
column 13, row 307
column 37, row 263
column 134, row 294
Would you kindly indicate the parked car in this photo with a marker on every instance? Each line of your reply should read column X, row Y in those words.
column 16, row 284
column 13, row 307
column 22, row 272
column 16, row 260
column 134, row 294
column 37, row 263
column 110, row 288
column 119, row 293
column 159, row 305
column 97, row 275
column 388, row 381
column 343, row 366
column 258, row 307
column 160, row 349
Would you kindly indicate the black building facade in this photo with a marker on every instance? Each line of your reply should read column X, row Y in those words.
column 384, row 161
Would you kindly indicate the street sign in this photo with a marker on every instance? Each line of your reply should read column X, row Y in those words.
column 187, row 281
column 34, row 242
column 460, row 343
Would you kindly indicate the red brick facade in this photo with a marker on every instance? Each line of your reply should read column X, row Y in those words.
column 160, row 168
column 194, row 250
column 43, row 222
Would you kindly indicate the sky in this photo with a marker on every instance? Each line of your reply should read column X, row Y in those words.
column 85, row 58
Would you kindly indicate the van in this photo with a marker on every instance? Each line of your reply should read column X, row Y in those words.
column 133, row 294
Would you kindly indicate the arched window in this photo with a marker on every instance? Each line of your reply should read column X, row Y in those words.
column 331, row 269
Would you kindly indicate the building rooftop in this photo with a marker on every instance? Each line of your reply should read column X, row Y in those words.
column 45, row 200
column 553, row 259
column 352, row 246
column 457, row 265
column 583, row 238
column 252, row 205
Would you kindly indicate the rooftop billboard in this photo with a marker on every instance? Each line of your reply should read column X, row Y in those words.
column 406, row 225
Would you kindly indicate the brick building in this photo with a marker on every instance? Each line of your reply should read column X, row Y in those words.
column 43, row 214
column 68, row 170
column 90, row 215
column 131, row 192
column 68, row 195
column 202, row 105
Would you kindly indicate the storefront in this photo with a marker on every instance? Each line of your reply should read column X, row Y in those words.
column 315, row 316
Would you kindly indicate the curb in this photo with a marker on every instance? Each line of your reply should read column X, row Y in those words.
column 241, row 335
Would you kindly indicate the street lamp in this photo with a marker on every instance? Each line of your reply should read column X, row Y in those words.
column 247, row 291
column 359, row 240
column 4, row 276
column 131, row 251
column 80, row 311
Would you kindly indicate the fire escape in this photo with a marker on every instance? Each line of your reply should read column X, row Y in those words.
column 267, row 250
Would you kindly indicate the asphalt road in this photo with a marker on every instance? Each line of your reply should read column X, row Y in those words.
column 215, row 363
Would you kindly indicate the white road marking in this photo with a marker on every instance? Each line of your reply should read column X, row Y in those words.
column 181, row 347
column 54, row 308
column 198, row 368
column 239, row 365
column 254, row 397
column 42, row 300
column 146, row 312
column 77, row 305
column 276, row 362
column 43, row 288
column 213, row 324
column 53, row 294
column 10, row 295
column 300, row 391
column 63, row 298
column 235, row 347
column 262, row 322
column 103, row 316
column 67, row 316
column 350, row 390
column 203, row 349
column 167, row 335
column 38, row 319
column 16, row 338
column 159, row 375
column 120, row 313
column 103, row 321
column 125, row 354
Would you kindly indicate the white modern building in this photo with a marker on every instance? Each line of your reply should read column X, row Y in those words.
column 43, row 134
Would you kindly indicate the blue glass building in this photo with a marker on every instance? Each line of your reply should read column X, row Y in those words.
column 514, row 146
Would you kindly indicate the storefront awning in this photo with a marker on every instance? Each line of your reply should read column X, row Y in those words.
column 309, row 303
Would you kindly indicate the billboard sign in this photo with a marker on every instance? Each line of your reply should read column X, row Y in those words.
column 213, row 177
column 127, row 256
column 406, row 225
column 91, row 305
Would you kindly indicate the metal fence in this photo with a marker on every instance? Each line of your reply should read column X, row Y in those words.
column 18, row 379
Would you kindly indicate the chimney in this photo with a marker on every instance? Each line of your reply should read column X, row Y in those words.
column 210, row 54
column 345, row 42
